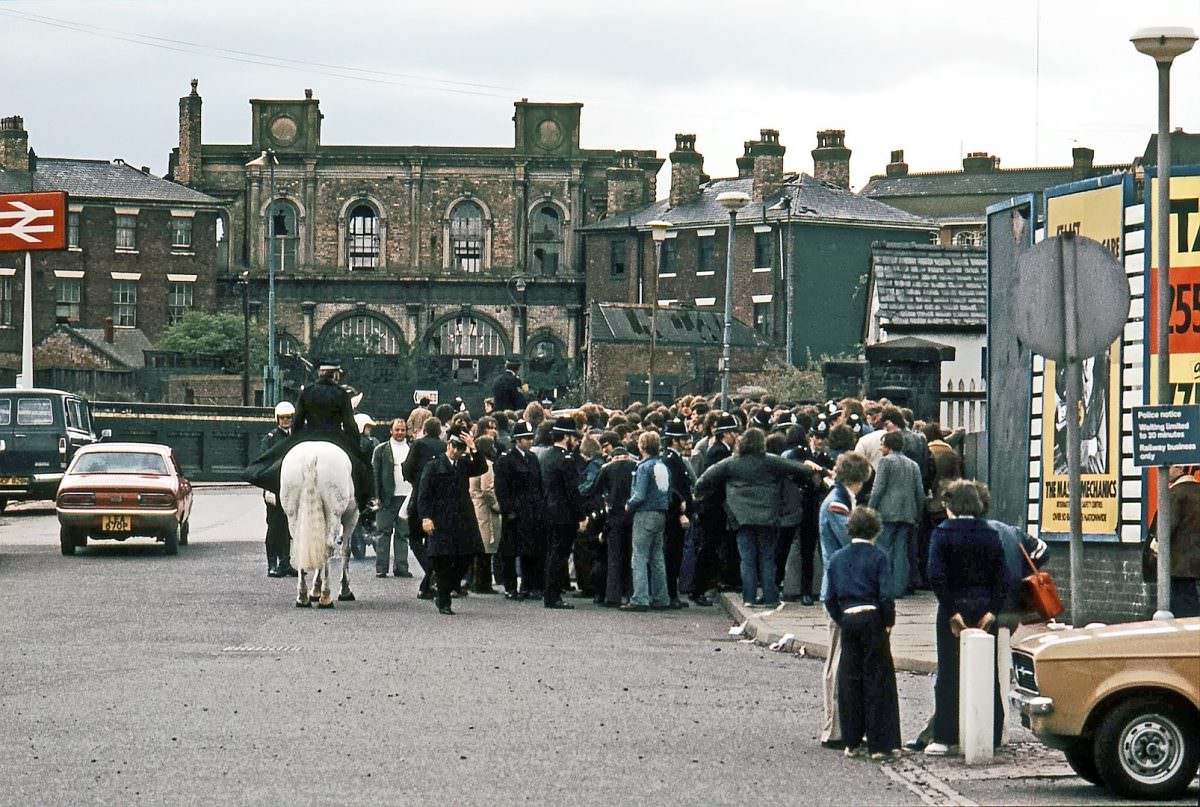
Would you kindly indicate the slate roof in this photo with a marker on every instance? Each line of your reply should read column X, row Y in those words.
column 929, row 285
column 812, row 201
column 623, row 322
column 100, row 179
column 126, row 348
column 1185, row 149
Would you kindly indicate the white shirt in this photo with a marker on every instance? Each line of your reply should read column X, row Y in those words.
column 871, row 447
column 399, row 454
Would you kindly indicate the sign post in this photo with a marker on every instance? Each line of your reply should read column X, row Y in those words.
column 1051, row 273
column 31, row 222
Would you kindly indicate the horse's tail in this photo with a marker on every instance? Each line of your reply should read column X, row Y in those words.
column 310, row 535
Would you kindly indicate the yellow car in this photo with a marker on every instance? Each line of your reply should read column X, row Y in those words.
column 1121, row 701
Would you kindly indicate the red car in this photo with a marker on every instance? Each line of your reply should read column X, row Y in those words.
column 120, row 490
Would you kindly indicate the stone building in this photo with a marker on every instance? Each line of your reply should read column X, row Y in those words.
column 424, row 266
column 141, row 251
column 956, row 200
column 809, row 233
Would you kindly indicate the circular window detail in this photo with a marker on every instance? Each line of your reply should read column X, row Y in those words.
column 284, row 130
column 549, row 134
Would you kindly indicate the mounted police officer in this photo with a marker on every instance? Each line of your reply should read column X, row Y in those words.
column 279, row 538
column 324, row 410
column 506, row 390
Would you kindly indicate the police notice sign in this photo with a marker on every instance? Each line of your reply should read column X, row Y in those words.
column 1166, row 435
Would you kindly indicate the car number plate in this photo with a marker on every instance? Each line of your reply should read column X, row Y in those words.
column 11, row 481
column 114, row 523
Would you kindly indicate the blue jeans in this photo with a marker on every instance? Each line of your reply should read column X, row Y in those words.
column 649, row 563
column 756, row 544
column 893, row 541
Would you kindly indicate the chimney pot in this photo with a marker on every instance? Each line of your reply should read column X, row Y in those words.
column 108, row 330
column 308, row 94
column 687, row 166
column 745, row 163
column 1082, row 158
column 980, row 162
column 897, row 167
column 831, row 158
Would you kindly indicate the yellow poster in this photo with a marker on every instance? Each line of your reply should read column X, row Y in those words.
column 1097, row 214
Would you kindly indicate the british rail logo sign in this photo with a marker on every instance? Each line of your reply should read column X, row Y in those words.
column 33, row 221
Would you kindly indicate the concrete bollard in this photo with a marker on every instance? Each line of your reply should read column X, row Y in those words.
column 1004, row 674
column 976, row 689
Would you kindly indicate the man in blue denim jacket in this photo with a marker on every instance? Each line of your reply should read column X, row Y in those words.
column 649, row 502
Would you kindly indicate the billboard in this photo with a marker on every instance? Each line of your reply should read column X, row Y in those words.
column 1097, row 213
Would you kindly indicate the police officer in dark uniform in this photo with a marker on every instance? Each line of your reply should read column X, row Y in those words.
column 279, row 538
column 325, row 407
column 564, row 507
column 522, row 507
column 506, row 390
column 717, row 543
column 679, row 511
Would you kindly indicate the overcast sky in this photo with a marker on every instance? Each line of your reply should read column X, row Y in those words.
column 101, row 79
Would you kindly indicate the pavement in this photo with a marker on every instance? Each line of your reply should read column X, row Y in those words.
column 804, row 629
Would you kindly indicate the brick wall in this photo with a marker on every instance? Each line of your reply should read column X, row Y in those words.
column 1112, row 581
column 921, row 379
column 693, row 369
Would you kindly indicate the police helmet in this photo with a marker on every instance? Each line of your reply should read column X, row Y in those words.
column 284, row 409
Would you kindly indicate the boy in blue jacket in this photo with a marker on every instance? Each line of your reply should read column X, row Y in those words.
column 649, row 503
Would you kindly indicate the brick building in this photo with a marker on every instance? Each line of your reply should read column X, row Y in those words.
column 457, row 256
column 810, row 232
column 141, row 250
column 956, row 200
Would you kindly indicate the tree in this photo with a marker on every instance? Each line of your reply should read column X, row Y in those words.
column 201, row 334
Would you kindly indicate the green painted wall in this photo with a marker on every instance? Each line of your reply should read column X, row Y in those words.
column 830, row 265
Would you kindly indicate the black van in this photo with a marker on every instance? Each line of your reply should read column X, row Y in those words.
column 40, row 430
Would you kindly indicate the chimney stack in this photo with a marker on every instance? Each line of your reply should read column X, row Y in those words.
column 831, row 158
column 187, row 171
column 14, row 144
column 626, row 185
column 745, row 163
column 108, row 330
column 980, row 162
column 768, row 164
column 1081, row 161
column 897, row 167
column 687, row 166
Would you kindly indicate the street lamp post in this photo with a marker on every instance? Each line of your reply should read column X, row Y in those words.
column 1163, row 45
column 733, row 201
column 268, row 159
column 785, row 249
column 658, row 229
column 244, row 283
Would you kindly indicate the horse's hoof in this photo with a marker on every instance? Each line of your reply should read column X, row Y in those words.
column 303, row 604
column 325, row 604
column 347, row 597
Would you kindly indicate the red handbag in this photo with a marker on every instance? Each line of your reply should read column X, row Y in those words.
column 1041, row 595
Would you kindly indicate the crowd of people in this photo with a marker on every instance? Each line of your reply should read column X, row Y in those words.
column 658, row 507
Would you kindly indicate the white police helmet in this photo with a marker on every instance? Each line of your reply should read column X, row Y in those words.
column 284, row 408
column 362, row 420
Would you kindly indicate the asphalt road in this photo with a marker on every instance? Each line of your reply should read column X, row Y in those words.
column 132, row 677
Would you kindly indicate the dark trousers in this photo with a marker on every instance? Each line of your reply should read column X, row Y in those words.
column 946, row 688
column 584, row 553
column 481, row 573
column 674, row 539
column 559, row 538
column 416, row 541
column 809, row 538
column 784, row 537
column 867, row 700
column 708, row 555
column 731, row 560
column 447, row 570
column 618, row 560
column 279, row 539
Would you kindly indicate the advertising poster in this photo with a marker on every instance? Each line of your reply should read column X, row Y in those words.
column 1184, row 336
column 1096, row 213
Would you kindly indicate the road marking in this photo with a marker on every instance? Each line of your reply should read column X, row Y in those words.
column 244, row 649
column 930, row 789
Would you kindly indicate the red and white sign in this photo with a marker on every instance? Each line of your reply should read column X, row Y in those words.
column 33, row 221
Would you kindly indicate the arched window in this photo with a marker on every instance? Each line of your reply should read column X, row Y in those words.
column 288, row 345
column 361, row 334
column 466, row 237
column 284, row 234
column 545, row 240
column 968, row 238
column 362, row 239
column 543, row 351
column 466, row 335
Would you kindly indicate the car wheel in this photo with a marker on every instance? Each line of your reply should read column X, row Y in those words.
column 1147, row 748
column 1081, row 759
column 184, row 529
column 66, row 540
column 170, row 538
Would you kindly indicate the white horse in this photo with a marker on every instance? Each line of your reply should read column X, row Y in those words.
column 316, row 491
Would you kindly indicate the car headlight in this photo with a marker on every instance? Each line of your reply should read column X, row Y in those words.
column 1024, row 672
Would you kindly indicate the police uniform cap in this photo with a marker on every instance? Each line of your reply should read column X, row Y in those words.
column 675, row 428
column 565, row 425
column 726, row 423
column 523, row 429
column 762, row 418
